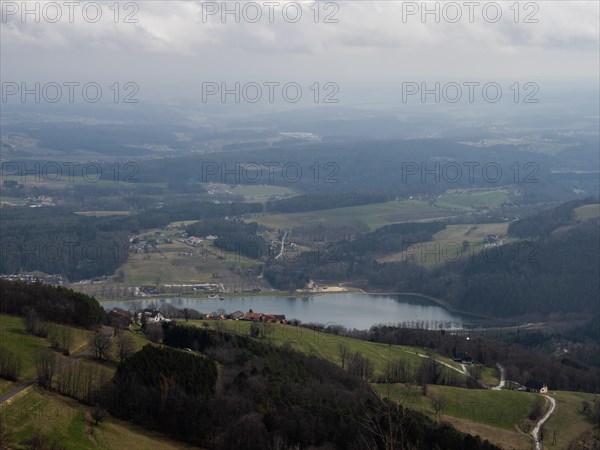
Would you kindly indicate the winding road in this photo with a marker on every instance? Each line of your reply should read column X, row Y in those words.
column 536, row 431
column 282, row 246
column 462, row 372
column 502, row 379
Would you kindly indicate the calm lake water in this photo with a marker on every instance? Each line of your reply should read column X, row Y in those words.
column 352, row 310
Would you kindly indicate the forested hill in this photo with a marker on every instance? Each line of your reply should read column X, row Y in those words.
column 263, row 396
column 56, row 304
column 552, row 270
column 553, row 274
column 544, row 222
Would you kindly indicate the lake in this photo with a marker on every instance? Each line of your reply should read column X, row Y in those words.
column 350, row 309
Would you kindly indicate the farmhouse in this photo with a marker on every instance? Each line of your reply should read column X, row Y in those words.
column 237, row 315
column 463, row 358
column 119, row 318
column 193, row 241
column 153, row 315
column 535, row 386
column 252, row 316
column 280, row 318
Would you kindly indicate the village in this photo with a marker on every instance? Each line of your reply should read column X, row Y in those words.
column 119, row 318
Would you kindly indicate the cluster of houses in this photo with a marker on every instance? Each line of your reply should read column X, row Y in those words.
column 492, row 240
column 52, row 280
column 141, row 247
column 258, row 317
column 120, row 318
column 195, row 241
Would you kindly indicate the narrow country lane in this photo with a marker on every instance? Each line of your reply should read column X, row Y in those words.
column 536, row 431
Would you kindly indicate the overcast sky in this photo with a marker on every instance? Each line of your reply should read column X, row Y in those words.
column 175, row 46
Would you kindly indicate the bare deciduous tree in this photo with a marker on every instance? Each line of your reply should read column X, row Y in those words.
column 439, row 403
column 98, row 414
column 125, row 346
column 10, row 364
column 101, row 343
column 343, row 350
column 45, row 364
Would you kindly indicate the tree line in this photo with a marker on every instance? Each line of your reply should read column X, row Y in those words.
column 50, row 303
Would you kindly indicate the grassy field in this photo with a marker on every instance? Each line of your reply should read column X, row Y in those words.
column 325, row 345
column 447, row 245
column 587, row 211
column 489, row 375
column 11, row 201
column 567, row 421
column 169, row 266
column 506, row 439
column 471, row 200
column 375, row 215
column 255, row 192
column 493, row 410
column 59, row 418
column 53, row 180
column 68, row 422
column 501, row 409
column 177, row 262
column 103, row 213
column 6, row 386
column 14, row 337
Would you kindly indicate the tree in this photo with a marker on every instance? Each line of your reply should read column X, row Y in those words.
column 439, row 403
column 45, row 364
column 343, row 350
column 34, row 325
column 98, row 414
column 101, row 343
column 360, row 366
column 61, row 338
column 10, row 364
column 125, row 346
column 384, row 424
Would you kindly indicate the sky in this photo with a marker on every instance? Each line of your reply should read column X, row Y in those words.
column 169, row 49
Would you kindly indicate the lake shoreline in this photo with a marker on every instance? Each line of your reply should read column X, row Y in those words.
column 359, row 310
column 288, row 294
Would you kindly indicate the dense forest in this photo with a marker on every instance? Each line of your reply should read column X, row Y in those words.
column 398, row 167
column 547, row 220
column 555, row 274
column 348, row 259
column 56, row 304
column 409, row 167
column 232, row 236
column 56, row 241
